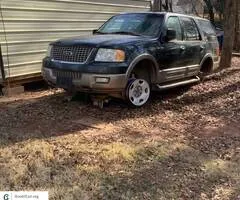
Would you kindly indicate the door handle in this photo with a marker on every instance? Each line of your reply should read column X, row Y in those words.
column 182, row 48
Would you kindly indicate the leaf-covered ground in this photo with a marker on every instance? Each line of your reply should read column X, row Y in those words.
column 185, row 144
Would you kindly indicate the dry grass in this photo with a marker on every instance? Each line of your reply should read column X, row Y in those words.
column 185, row 144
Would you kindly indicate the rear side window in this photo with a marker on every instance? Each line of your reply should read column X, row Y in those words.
column 174, row 24
column 206, row 27
column 190, row 29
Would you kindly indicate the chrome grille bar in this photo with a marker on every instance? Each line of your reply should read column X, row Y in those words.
column 78, row 54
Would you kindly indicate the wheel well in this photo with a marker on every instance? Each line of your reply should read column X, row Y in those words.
column 207, row 66
column 145, row 69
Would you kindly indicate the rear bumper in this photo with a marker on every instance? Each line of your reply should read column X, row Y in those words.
column 87, row 82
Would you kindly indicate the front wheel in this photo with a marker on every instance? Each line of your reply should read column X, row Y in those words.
column 138, row 92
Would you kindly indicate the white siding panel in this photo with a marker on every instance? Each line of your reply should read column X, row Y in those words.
column 19, row 58
column 2, row 39
column 30, row 25
column 19, row 47
column 43, row 35
column 50, row 26
column 20, row 70
column 34, row 13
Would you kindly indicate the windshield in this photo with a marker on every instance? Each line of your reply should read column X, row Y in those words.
column 135, row 24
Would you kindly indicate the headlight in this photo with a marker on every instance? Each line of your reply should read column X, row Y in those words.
column 110, row 55
column 49, row 51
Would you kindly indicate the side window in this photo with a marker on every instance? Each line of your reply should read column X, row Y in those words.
column 174, row 24
column 207, row 27
column 190, row 29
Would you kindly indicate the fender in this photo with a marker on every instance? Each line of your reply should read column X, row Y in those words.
column 208, row 55
column 144, row 57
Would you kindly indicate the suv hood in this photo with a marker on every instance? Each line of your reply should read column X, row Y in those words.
column 101, row 40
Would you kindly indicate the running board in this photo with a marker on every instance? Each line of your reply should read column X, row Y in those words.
column 176, row 84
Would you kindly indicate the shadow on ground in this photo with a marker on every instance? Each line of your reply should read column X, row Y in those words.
column 49, row 116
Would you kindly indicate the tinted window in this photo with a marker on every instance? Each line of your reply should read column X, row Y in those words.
column 190, row 29
column 174, row 24
column 206, row 27
column 143, row 24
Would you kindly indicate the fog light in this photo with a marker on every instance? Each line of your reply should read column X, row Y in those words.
column 102, row 80
column 49, row 72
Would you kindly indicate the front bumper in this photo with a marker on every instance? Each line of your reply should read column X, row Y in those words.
column 86, row 82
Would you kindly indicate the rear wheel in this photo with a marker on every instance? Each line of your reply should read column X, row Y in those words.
column 206, row 69
column 138, row 92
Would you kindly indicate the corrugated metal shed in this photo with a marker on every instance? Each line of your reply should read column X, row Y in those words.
column 27, row 26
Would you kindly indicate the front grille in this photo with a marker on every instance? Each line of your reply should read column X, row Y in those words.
column 67, row 74
column 77, row 54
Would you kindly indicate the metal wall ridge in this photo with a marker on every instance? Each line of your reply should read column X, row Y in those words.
column 50, row 20
column 24, row 63
column 39, row 31
column 98, row 3
column 55, row 10
column 26, row 42
column 24, row 53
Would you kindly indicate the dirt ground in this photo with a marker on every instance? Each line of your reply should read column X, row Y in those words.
column 185, row 144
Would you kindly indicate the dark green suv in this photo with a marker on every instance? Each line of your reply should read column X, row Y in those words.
column 134, row 53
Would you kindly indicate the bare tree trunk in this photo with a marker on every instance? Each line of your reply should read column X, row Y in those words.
column 212, row 16
column 166, row 5
column 171, row 6
column 237, row 29
column 229, row 28
column 157, row 5
column 194, row 9
column 210, row 10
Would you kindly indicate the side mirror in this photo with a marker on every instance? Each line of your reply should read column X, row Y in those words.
column 171, row 35
column 94, row 31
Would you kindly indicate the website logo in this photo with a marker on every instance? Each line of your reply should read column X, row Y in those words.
column 6, row 197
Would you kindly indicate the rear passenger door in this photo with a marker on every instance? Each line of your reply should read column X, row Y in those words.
column 194, row 46
column 171, row 54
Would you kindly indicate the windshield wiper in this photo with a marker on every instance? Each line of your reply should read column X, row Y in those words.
column 126, row 33
column 99, row 32
column 118, row 32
